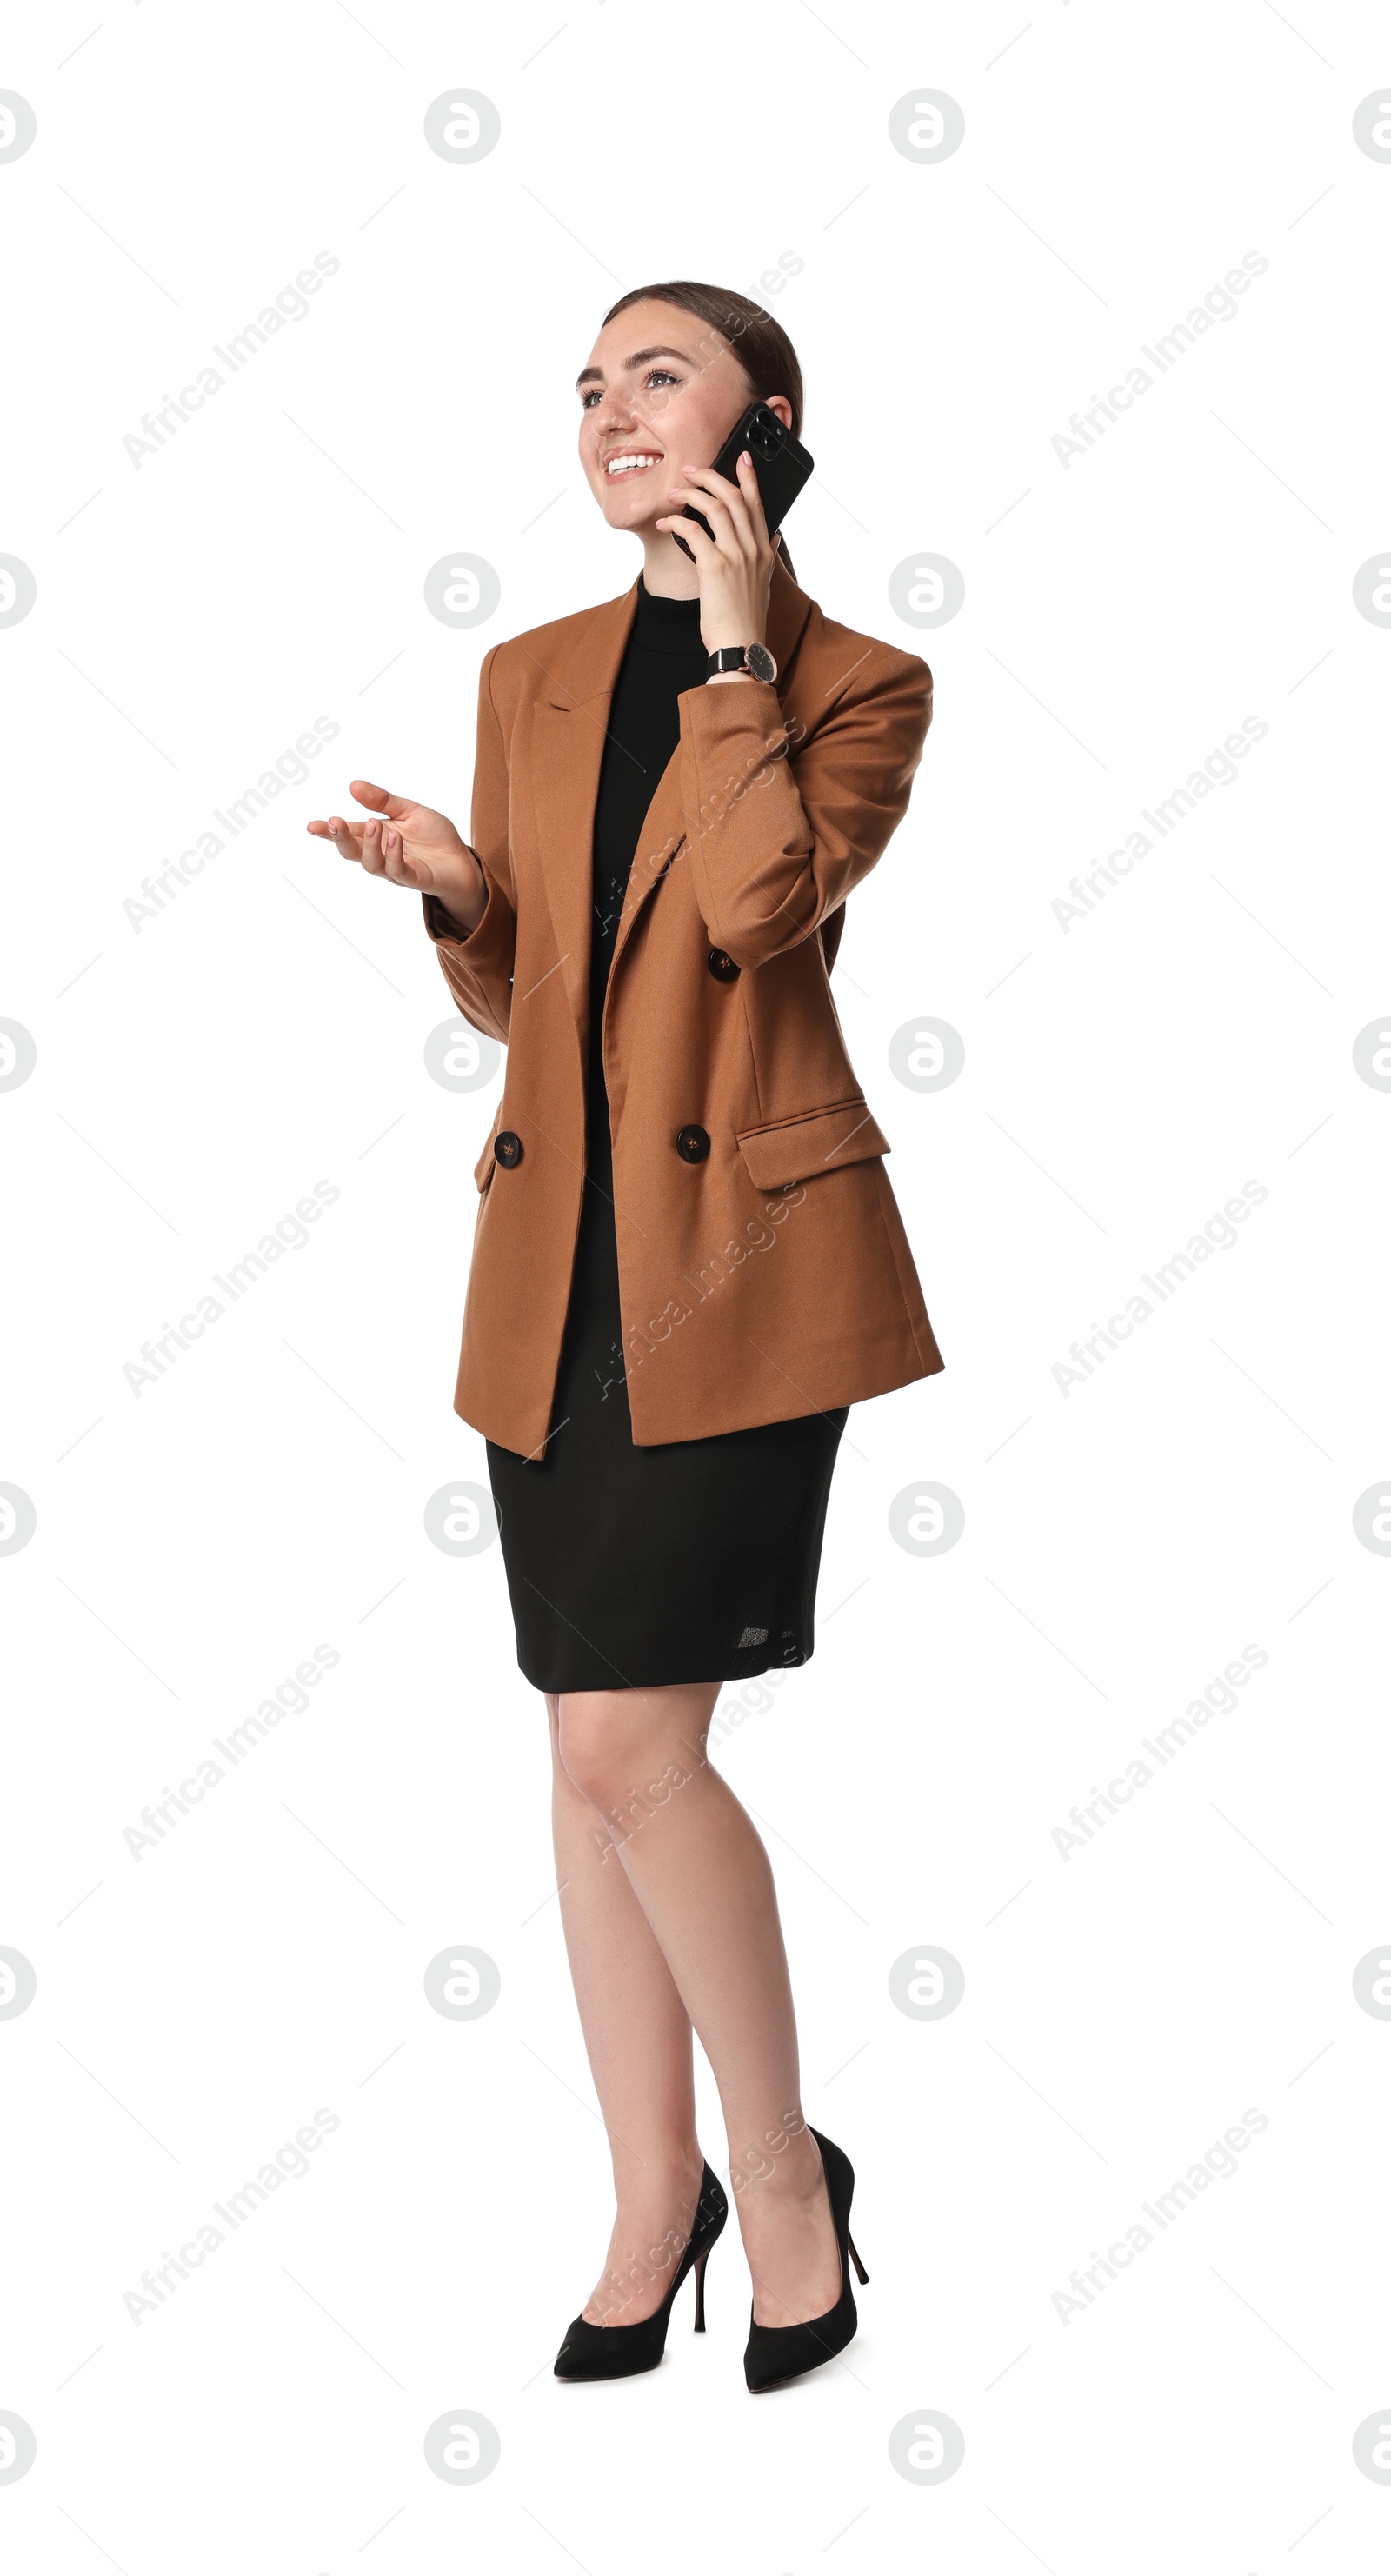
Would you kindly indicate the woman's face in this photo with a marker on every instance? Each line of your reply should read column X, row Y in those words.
column 661, row 390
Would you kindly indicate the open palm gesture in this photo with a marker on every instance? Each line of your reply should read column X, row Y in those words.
column 412, row 845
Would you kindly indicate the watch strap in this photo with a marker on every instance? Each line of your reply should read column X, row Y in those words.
column 742, row 657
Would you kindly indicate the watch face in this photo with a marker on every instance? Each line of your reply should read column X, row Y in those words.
column 760, row 662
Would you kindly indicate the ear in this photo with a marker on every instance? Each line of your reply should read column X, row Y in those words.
column 779, row 403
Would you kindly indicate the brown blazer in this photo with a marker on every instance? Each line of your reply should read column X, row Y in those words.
column 767, row 1273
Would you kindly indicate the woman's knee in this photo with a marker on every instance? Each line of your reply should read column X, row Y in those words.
column 619, row 1755
column 597, row 1741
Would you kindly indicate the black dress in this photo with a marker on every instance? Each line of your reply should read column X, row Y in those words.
column 694, row 1561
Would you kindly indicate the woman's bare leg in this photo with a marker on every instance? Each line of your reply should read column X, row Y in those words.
column 701, row 1876
column 638, row 2037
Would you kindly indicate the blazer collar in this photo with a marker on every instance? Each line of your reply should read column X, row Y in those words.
column 589, row 667
column 569, row 733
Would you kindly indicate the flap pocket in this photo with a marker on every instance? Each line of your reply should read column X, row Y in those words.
column 797, row 1149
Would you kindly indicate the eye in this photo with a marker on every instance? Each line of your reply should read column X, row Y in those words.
column 589, row 399
column 660, row 375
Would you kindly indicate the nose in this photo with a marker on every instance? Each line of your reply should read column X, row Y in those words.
column 614, row 415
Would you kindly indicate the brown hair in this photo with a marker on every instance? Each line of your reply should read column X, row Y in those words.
column 760, row 344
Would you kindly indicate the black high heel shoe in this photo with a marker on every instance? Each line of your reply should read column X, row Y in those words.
column 777, row 2353
column 619, row 2352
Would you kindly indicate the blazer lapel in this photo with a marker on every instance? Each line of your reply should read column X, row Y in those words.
column 788, row 610
column 569, row 730
column 664, row 825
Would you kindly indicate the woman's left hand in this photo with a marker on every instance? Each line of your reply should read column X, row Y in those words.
column 735, row 565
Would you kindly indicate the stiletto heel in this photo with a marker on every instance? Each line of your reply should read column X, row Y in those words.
column 860, row 2272
column 778, row 2353
column 619, row 2352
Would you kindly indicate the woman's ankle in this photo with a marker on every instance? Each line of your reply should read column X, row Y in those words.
column 793, row 2173
column 669, row 2174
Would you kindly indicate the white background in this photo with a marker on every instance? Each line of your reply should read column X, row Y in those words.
column 1123, row 1541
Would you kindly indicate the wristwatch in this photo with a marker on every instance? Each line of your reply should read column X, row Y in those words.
column 753, row 658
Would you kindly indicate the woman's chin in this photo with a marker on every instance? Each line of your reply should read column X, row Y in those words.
column 624, row 506
column 632, row 523
column 621, row 514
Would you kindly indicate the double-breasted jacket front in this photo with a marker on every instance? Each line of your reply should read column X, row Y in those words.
column 763, row 1267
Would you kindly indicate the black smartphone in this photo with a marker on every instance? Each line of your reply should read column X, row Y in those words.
column 780, row 462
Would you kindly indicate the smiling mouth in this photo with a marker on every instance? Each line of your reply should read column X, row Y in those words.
column 618, row 467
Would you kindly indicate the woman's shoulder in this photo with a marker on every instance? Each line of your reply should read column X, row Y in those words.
column 844, row 664
column 830, row 636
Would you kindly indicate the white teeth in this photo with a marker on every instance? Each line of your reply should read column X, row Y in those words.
column 629, row 464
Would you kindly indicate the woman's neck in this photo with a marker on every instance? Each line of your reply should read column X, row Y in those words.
column 667, row 573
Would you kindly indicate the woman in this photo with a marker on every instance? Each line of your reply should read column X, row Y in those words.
column 688, row 1263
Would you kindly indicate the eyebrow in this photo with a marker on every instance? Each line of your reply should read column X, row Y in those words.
column 639, row 358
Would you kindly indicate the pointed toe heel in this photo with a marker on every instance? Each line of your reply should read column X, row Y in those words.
column 620, row 2352
column 775, row 2354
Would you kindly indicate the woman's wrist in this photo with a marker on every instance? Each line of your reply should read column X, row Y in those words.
column 751, row 640
column 729, row 637
column 463, row 909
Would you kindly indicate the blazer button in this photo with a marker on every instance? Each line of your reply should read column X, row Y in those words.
column 507, row 1150
column 692, row 1144
column 721, row 966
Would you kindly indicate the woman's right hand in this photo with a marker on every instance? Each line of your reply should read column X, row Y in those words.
column 413, row 846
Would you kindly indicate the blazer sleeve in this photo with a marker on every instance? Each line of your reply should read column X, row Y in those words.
column 478, row 963
column 779, row 834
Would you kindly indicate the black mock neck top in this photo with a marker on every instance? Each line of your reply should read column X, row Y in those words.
column 663, row 656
